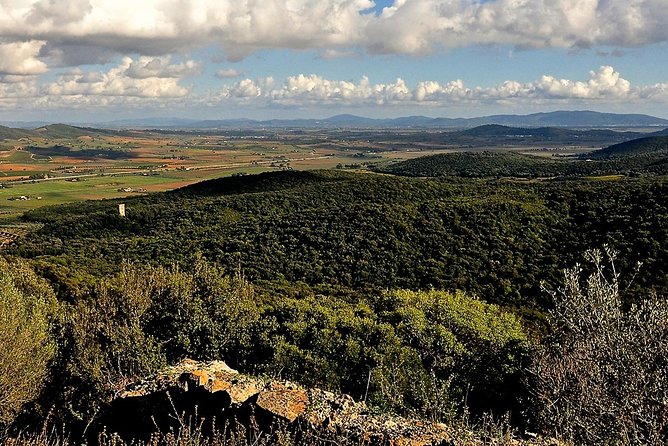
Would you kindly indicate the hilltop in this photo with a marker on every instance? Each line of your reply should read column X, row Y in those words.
column 478, row 164
column 52, row 131
column 649, row 146
column 10, row 133
column 63, row 131
column 510, row 164
column 547, row 133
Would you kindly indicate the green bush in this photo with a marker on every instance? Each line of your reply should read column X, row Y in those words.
column 325, row 341
column 26, row 346
column 470, row 350
column 204, row 313
column 109, row 342
column 129, row 325
column 421, row 352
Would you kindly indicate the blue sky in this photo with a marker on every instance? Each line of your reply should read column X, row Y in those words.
column 87, row 60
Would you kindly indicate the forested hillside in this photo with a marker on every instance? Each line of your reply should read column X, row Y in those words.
column 652, row 146
column 510, row 164
column 497, row 239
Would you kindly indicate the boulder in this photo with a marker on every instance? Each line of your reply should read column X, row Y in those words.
column 284, row 400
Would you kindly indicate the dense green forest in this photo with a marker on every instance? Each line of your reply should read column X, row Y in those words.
column 496, row 239
column 652, row 145
column 509, row 164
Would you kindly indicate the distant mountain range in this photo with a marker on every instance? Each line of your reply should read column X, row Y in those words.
column 553, row 119
column 468, row 136
column 573, row 119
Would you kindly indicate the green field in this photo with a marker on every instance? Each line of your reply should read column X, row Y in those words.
column 59, row 191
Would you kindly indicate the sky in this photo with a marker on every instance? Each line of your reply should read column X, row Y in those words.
column 101, row 60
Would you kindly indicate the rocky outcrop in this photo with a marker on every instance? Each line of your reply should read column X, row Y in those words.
column 197, row 393
column 214, row 390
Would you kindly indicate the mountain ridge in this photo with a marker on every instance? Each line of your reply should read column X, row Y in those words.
column 560, row 118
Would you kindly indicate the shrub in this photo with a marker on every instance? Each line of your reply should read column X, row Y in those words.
column 26, row 345
column 133, row 323
column 326, row 342
column 602, row 377
column 469, row 350
column 107, row 329
column 204, row 313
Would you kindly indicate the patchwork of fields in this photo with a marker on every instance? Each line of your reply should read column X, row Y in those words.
column 36, row 172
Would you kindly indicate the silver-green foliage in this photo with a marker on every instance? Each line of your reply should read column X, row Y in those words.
column 603, row 376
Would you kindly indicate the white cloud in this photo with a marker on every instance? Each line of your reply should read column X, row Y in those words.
column 13, row 92
column 331, row 53
column 147, row 67
column 138, row 79
column 247, row 89
column 604, row 83
column 656, row 92
column 146, row 82
column 95, row 31
column 58, row 13
column 20, row 58
column 303, row 90
column 226, row 73
column 422, row 26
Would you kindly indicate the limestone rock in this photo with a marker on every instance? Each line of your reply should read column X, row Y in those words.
column 285, row 400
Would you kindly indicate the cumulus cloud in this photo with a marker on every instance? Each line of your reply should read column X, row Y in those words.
column 316, row 89
column 58, row 13
column 95, row 31
column 157, row 82
column 247, row 89
column 606, row 84
column 147, row 67
column 425, row 25
column 140, row 79
column 14, row 93
column 20, row 58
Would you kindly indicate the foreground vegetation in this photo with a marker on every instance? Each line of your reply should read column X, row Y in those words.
column 599, row 378
column 404, row 351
